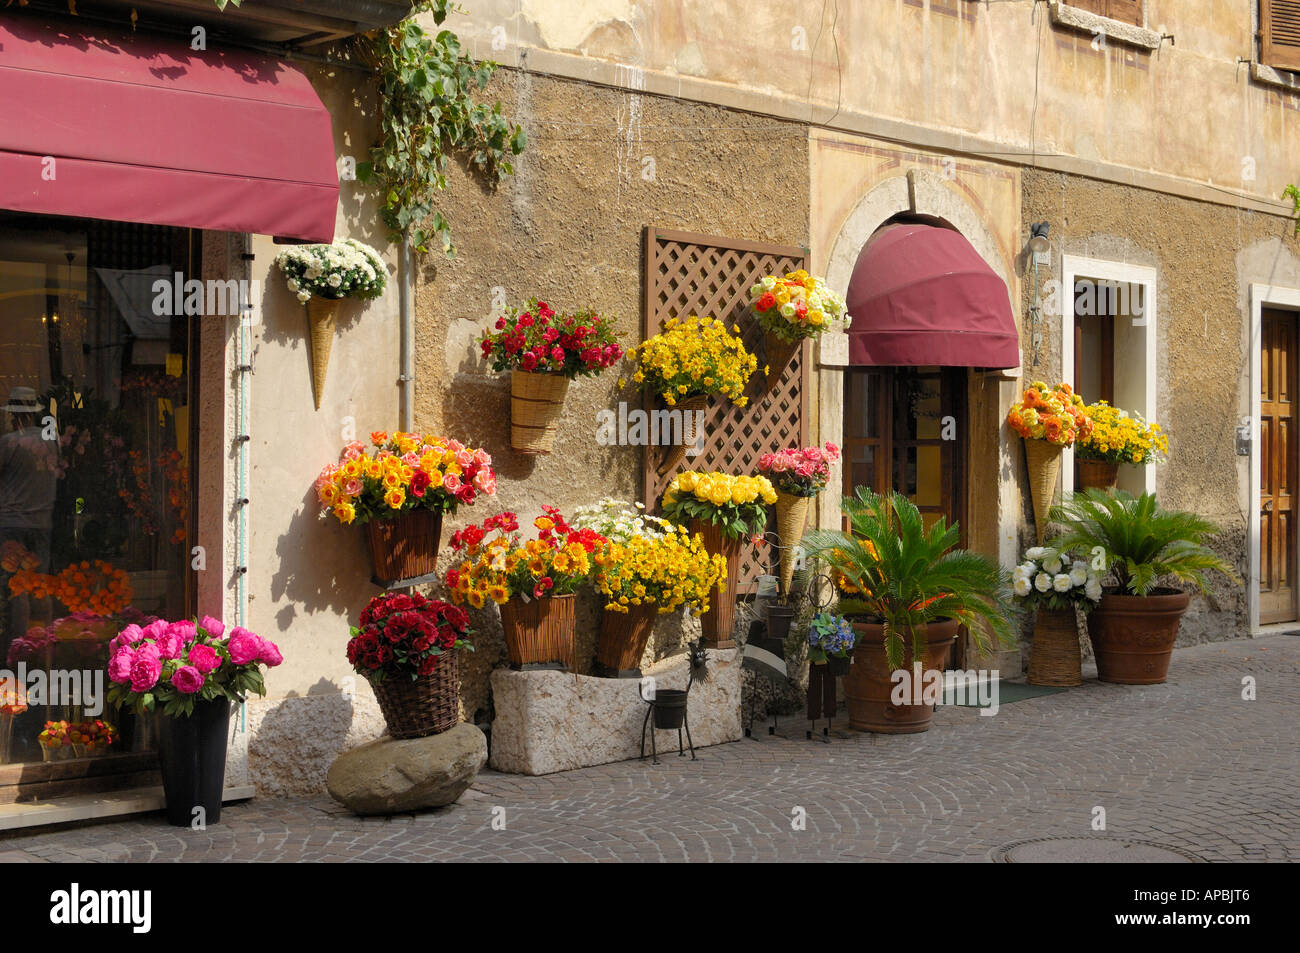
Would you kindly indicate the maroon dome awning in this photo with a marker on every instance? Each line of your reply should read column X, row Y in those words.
column 921, row 295
column 141, row 129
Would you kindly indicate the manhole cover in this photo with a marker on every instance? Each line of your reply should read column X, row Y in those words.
column 1089, row 850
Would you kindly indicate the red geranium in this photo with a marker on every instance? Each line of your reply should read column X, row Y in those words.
column 403, row 636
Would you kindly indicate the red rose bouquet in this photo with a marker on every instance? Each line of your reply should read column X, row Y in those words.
column 539, row 340
column 403, row 636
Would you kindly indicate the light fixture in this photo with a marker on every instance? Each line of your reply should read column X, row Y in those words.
column 1038, row 242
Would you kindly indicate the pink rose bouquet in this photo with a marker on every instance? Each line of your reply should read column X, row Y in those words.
column 173, row 665
column 799, row 472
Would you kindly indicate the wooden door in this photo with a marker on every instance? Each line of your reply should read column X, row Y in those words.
column 1277, row 449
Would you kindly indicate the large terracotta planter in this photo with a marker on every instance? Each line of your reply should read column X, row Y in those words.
column 622, row 641
column 536, row 404
column 1133, row 636
column 428, row 705
column 717, row 622
column 539, row 633
column 791, row 516
column 1054, row 657
column 1097, row 475
column 405, row 547
column 868, row 686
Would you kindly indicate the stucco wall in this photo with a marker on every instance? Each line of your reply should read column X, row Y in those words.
column 1205, row 257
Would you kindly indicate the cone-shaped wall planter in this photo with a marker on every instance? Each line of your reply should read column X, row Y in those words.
column 791, row 515
column 779, row 352
column 320, row 323
column 1044, row 461
column 676, row 453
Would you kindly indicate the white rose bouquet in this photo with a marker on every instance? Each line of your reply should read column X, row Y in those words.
column 619, row 521
column 1050, row 579
column 344, row 269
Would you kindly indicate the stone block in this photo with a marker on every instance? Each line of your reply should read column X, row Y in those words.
column 388, row 776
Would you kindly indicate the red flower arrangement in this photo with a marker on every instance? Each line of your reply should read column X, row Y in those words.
column 537, row 339
column 403, row 636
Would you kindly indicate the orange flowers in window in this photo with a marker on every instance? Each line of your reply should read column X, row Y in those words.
column 95, row 587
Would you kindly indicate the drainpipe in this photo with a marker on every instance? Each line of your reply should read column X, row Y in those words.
column 406, row 377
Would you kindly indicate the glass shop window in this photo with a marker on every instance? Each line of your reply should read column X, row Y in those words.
column 96, row 498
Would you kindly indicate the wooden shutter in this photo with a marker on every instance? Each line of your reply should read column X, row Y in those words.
column 688, row 274
column 1092, row 6
column 1128, row 11
column 1279, row 33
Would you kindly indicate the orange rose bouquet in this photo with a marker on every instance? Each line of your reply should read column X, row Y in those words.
column 1056, row 415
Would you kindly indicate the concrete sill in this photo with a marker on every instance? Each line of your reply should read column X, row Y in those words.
column 1273, row 77
column 1064, row 15
column 93, row 807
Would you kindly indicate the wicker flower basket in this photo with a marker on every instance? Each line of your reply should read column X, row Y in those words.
column 622, row 640
column 676, row 453
column 405, row 547
column 717, row 622
column 320, row 323
column 536, row 403
column 791, row 515
column 1054, row 657
column 1044, row 461
column 540, row 631
column 428, row 705
column 1097, row 474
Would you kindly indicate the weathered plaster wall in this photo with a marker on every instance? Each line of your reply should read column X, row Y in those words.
column 568, row 228
column 1205, row 257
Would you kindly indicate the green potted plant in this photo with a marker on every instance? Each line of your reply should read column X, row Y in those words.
column 907, row 591
column 1138, row 545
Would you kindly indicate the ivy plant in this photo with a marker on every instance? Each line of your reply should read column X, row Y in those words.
column 429, row 113
column 1293, row 193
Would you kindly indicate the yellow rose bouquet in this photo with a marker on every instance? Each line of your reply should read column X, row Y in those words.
column 1119, row 436
column 735, row 504
column 796, row 306
column 668, row 572
column 698, row 357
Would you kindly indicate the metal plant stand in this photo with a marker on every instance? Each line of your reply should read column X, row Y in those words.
column 668, row 707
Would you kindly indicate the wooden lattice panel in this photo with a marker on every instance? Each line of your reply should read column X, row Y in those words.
column 706, row 275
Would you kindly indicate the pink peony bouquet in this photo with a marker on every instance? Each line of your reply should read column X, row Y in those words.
column 799, row 472
column 172, row 665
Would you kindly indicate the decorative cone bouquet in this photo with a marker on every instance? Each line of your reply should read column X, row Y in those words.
column 543, row 351
column 790, row 309
column 799, row 475
column 171, row 666
column 320, row 276
column 1049, row 420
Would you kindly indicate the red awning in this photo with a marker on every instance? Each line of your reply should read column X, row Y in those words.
column 921, row 295
column 146, row 130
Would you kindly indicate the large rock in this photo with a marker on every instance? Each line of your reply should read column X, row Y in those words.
column 393, row 777
column 554, row 721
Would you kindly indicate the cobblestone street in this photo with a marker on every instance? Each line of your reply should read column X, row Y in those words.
column 1188, row 765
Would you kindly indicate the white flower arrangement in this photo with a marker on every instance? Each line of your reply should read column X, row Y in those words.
column 1055, row 580
column 344, row 269
column 619, row 521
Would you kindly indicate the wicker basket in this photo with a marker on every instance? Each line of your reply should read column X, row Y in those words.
column 1054, row 656
column 536, row 403
column 429, row 705
column 1044, row 460
column 623, row 638
column 540, row 631
column 1097, row 474
column 320, row 324
column 405, row 547
column 717, row 622
column 791, row 515
column 676, row 453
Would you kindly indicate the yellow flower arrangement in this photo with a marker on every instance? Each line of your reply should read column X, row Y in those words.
column 1119, row 436
column 736, row 503
column 796, row 306
column 668, row 572
column 695, row 357
column 1056, row 415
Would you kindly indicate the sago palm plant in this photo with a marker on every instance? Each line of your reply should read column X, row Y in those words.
column 909, row 576
column 1139, row 542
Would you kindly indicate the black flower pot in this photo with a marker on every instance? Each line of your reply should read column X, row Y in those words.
column 192, row 755
column 779, row 618
column 839, row 666
column 670, row 708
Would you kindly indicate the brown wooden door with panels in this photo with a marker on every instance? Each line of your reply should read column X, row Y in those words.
column 1277, row 471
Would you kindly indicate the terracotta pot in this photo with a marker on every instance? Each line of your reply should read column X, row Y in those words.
column 717, row 622
column 539, row 632
column 622, row 641
column 1097, row 474
column 868, row 686
column 405, row 547
column 1054, row 657
column 1133, row 636
column 536, row 404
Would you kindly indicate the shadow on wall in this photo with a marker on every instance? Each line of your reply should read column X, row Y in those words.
column 316, row 565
